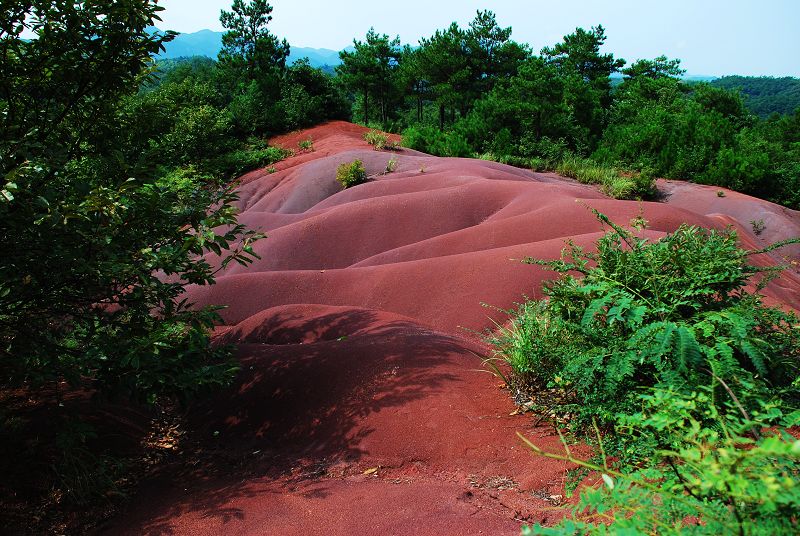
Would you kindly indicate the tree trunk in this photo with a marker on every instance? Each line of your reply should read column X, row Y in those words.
column 419, row 107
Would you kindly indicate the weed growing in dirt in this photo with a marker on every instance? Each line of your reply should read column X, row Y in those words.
column 758, row 226
column 391, row 165
column 306, row 145
column 377, row 139
column 351, row 174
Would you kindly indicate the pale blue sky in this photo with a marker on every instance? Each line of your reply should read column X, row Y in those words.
column 712, row 37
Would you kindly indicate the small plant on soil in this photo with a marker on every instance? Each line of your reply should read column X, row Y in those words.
column 391, row 165
column 660, row 355
column 720, row 193
column 351, row 174
column 272, row 169
column 377, row 139
column 306, row 145
column 758, row 226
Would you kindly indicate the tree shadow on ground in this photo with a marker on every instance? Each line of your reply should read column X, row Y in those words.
column 298, row 407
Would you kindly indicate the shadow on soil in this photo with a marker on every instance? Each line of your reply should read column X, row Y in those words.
column 296, row 409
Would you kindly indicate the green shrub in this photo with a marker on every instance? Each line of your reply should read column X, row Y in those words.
column 235, row 163
column 306, row 145
column 420, row 138
column 433, row 141
column 661, row 355
column 351, row 174
column 377, row 139
column 715, row 472
column 673, row 312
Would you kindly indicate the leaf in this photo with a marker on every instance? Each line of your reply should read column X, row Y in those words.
column 594, row 308
column 756, row 356
column 608, row 480
column 371, row 471
column 688, row 349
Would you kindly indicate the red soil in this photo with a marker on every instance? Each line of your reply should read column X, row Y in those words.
column 361, row 407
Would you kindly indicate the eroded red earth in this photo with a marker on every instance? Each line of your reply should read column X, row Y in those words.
column 362, row 406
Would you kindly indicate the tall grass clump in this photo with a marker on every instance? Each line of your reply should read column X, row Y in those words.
column 662, row 355
column 612, row 181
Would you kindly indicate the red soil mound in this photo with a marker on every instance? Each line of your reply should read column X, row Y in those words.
column 360, row 408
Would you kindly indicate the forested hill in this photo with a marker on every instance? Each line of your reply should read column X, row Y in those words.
column 765, row 95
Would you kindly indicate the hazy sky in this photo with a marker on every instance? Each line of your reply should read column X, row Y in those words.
column 712, row 37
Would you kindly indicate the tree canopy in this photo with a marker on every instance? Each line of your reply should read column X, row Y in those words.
column 97, row 251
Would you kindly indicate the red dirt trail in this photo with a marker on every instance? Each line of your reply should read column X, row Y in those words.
column 361, row 407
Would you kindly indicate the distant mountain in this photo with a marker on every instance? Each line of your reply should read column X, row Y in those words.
column 209, row 43
column 202, row 43
column 617, row 78
column 698, row 78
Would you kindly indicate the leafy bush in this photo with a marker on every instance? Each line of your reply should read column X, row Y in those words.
column 253, row 155
column 351, row 174
column 715, row 472
column 433, row 141
column 376, row 138
column 643, row 314
column 686, row 373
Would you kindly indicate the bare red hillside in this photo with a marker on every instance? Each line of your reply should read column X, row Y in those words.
column 361, row 407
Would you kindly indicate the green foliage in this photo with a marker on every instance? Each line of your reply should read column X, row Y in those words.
column 701, row 133
column 758, row 226
column 433, row 141
column 310, row 96
column 764, row 95
column 351, row 174
column 492, row 96
column 714, row 472
column 612, row 182
column 110, row 241
column 674, row 312
column 254, row 154
column 663, row 346
column 376, row 138
column 586, row 73
column 660, row 67
column 371, row 70
column 84, row 476
column 248, row 47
